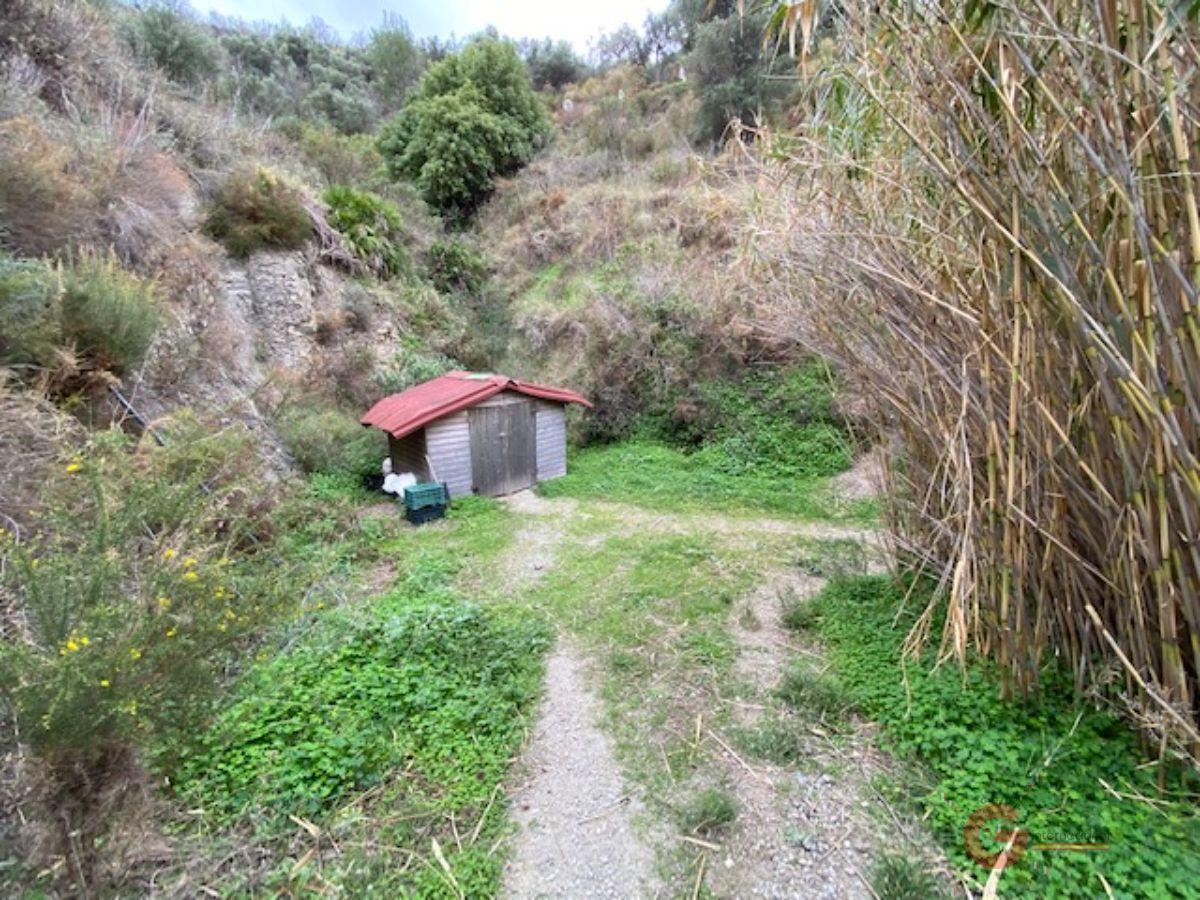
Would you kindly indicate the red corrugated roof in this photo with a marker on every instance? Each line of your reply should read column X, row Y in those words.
column 404, row 413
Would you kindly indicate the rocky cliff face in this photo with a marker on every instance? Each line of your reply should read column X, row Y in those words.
column 250, row 333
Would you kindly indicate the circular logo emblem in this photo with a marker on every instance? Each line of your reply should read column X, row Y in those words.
column 988, row 816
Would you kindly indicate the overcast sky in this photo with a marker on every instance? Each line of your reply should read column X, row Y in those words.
column 566, row 19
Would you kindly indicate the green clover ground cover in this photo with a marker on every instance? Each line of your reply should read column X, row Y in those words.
column 415, row 700
column 1044, row 757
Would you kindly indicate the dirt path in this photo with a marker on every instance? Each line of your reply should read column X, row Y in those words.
column 574, row 810
column 802, row 831
column 810, row 829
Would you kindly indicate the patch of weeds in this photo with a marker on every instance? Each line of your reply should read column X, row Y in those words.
column 708, row 813
column 799, row 614
column 774, row 738
column 896, row 877
column 832, row 558
column 814, row 694
column 419, row 696
column 1047, row 757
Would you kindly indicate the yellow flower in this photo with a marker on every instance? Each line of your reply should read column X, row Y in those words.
column 219, row 592
column 72, row 468
column 33, row 563
column 221, row 627
column 135, row 653
column 169, row 553
column 321, row 604
column 104, row 682
column 72, row 646
column 164, row 603
column 170, row 632
column 190, row 576
column 84, row 640
column 190, row 562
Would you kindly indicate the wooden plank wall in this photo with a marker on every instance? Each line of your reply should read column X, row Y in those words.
column 448, row 445
column 551, row 440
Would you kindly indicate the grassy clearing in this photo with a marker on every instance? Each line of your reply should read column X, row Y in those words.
column 656, row 476
column 1049, row 759
column 367, row 752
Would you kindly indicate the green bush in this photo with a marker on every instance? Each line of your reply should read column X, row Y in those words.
column 473, row 117
column 371, row 226
column 164, row 35
column 456, row 267
column 105, row 315
column 128, row 589
column 255, row 209
column 411, row 365
column 323, row 439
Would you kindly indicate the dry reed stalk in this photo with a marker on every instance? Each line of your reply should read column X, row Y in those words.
column 997, row 237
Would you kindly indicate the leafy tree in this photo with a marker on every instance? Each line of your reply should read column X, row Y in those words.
column 474, row 116
column 729, row 73
column 396, row 60
column 625, row 45
column 552, row 64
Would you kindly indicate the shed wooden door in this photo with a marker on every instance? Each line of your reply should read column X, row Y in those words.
column 503, row 448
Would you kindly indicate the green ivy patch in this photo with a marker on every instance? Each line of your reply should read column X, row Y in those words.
column 420, row 695
column 1047, row 757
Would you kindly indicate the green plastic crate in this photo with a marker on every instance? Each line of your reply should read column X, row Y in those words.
column 418, row 496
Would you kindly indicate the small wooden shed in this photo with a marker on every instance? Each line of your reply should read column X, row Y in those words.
column 478, row 433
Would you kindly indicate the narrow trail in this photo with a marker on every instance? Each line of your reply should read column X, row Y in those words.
column 573, row 808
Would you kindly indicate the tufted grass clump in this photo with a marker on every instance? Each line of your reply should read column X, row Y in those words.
column 255, row 209
column 708, row 812
column 371, row 226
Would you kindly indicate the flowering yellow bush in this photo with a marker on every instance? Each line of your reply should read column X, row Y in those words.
column 131, row 602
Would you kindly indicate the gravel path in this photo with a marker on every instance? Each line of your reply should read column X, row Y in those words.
column 574, row 810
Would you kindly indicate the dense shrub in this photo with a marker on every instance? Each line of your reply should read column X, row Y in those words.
column 130, row 606
column 474, row 116
column 44, row 203
column 103, row 315
column 324, row 439
column 456, row 266
column 371, row 226
column 255, row 209
column 165, row 35
column 412, row 365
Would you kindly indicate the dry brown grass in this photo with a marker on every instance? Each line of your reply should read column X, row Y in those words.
column 997, row 237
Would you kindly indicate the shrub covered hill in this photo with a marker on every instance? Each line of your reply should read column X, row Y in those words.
column 220, row 242
column 277, row 227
